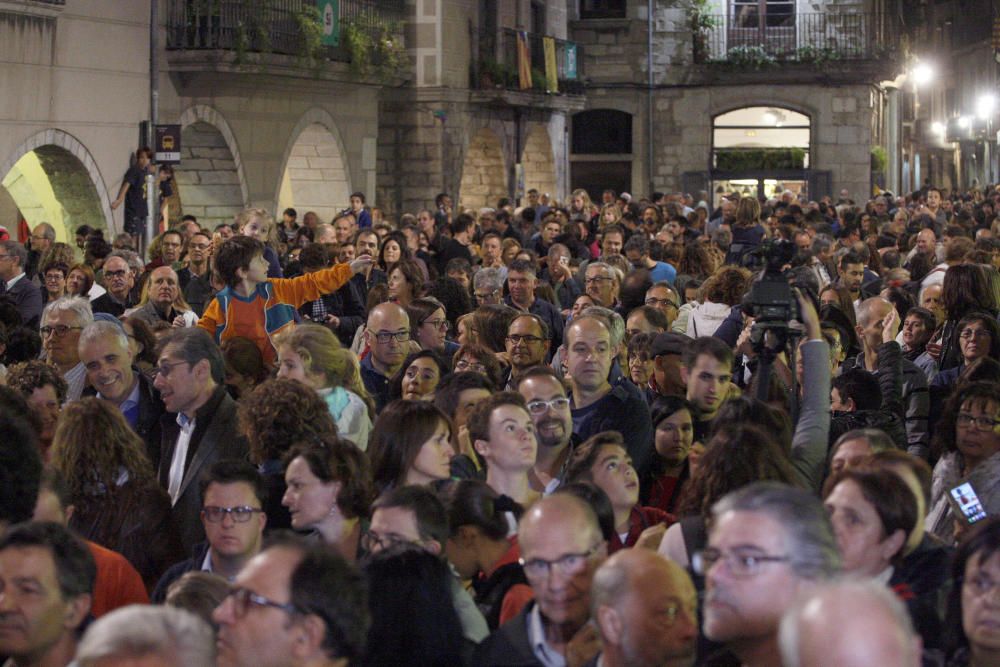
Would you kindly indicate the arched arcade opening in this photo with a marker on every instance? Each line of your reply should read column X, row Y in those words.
column 315, row 176
column 484, row 173
column 208, row 179
column 539, row 163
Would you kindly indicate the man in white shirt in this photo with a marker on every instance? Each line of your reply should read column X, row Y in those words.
column 62, row 322
column 200, row 426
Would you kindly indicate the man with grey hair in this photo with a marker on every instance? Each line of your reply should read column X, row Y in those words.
column 17, row 286
column 769, row 543
column 646, row 611
column 118, row 280
column 146, row 635
column 871, row 317
column 487, row 286
column 104, row 352
column 602, row 283
column 849, row 624
column 62, row 322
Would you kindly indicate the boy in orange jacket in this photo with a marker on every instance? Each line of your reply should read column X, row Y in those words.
column 257, row 307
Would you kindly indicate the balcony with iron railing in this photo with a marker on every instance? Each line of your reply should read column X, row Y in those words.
column 759, row 41
column 278, row 27
column 512, row 60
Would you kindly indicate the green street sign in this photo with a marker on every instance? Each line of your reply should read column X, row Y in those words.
column 329, row 14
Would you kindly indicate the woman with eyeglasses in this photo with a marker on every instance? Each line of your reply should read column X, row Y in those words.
column 968, row 439
column 429, row 326
column 411, row 445
column 474, row 358
column 328, row 492
column 119, row 504
column 972, row 616
column 312, row 354
column 978, row 338
column 55, row 281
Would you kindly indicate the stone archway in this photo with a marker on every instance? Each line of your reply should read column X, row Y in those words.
column 52, row 178
column 210, row 181
column 315, row 175
column 538, row 161
column 484, row 173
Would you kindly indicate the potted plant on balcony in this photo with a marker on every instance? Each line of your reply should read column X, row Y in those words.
column 700, row 22
column 374, row 48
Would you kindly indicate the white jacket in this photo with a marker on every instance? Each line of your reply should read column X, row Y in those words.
column 705, row 318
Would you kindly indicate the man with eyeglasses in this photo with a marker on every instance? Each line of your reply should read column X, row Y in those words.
column 646, row 611
column 388, row 337
column 233, row 496
column 293, row 605
column 487, row 286
column 17, row 286
column 602, row 284
column 196, row 278
column 561, row 548
column 521, row 282
column 415, row 515
column 769, row 543
column 200, row 425
column 548, row 405
column 118, row 281
column 663, row 297
column 62, row 322
column 527, row 345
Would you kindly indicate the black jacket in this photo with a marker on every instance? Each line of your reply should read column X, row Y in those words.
column 508, row 646
column 151, row 409
column 176, row 571
column 215, row 438
column 347, row 306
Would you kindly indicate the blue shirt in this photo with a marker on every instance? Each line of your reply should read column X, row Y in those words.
column 663, row 271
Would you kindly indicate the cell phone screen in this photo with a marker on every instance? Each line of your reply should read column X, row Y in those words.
column 968, row 502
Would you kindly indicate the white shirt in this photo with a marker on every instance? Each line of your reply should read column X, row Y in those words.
column 546, row 655
column 10, row 283
column 76, row 380
column 180, row 457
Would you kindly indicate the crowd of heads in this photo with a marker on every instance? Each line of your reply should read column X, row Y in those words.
column 555, row 433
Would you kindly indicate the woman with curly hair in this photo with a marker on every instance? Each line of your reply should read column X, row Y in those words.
column 697, row 262
column 417, row 379
column 119, row 503
column 45, row 391
column 721, row 292
column 329, row 492
column 406, row 282
column 736, row 456
column 475, row 358
column 311, row 354
column 272, row 417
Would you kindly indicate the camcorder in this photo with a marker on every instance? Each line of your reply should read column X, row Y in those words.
column 771, row 300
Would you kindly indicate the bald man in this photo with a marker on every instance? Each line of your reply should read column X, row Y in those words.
column 849, row 624
column 561, row 548
column 164, row 302
column 646, row 611
column 388, row 337
column 872, row 314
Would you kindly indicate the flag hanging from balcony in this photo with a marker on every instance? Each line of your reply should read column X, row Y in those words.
column 523, row 60
column 551, row 70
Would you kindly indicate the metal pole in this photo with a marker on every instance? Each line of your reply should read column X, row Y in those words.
column 152, row 200
column 649, row 96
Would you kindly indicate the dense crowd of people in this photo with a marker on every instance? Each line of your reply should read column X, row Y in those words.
column 684, row 429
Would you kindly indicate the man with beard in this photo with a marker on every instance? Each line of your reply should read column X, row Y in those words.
column 769, row 543
column 646, row 611
column 548, row 406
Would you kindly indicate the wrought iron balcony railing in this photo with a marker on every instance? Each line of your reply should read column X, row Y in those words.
column 269, row 26
column 759, row 40
column 500, row 58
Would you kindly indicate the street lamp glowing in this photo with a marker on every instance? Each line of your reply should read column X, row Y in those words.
column 985, row 105
column 923, row 74
column 963, row 122
column 937, row 128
